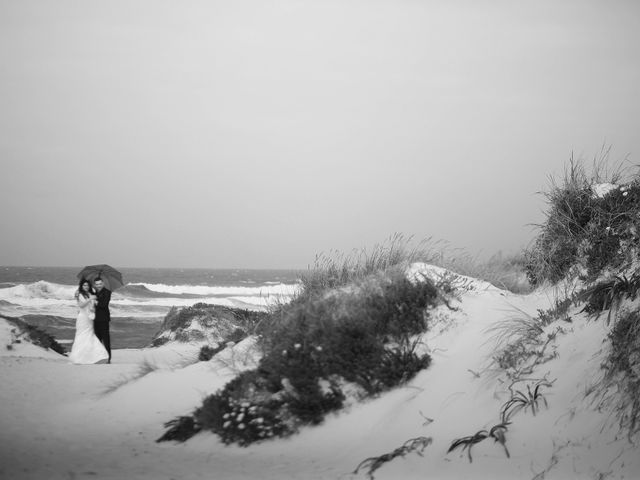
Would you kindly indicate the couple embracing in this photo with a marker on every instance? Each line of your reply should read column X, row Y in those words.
column 92, row 343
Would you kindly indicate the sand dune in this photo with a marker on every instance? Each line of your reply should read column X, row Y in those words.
column 63, row 421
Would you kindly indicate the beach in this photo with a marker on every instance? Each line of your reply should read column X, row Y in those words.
column 102, row 421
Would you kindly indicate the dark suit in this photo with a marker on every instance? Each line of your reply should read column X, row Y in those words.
column 103, row 317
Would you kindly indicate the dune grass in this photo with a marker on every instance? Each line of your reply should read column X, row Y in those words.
column 357, row 322
column 590, row 239
column 586, row 231
column 36, row 335
column 592, row 233
column 362, row 335
column 505, row 271
column 623, row 368
column 609, row 293
column 372, row 464
column 336, row 269
column 497, row 433
column 521, row 341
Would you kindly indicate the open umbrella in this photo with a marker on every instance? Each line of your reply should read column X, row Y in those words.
column 111, row 277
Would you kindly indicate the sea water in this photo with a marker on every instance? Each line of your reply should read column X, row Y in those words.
column 44, row 296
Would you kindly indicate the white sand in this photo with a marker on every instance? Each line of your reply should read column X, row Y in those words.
column 56, row 421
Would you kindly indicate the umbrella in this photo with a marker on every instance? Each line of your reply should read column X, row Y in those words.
column 111, row 277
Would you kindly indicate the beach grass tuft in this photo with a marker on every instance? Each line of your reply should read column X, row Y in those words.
column 525, row 399
column 590, row 221
column 372, row 464
column 623, row 368
column 497, row 432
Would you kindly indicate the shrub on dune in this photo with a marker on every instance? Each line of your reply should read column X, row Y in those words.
column 607, row 294
column 204, row 322
column 356, row 326
column 591, row 233
column 592, row 224
column 363, row 334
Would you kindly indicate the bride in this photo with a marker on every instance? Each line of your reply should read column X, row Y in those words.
column 86, row 346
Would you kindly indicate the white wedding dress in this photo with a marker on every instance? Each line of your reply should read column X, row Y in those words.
column 86, row 347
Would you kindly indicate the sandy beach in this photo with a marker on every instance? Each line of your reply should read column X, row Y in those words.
column 64, row 421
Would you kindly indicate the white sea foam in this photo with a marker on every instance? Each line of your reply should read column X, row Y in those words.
column 38, row 290
column 170, row 302
column 46, row 298
column 122, row 307
column 271, row 289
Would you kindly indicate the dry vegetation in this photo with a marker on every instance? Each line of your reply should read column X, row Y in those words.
column 592, row 235
column 33, row 334
column 357, row 322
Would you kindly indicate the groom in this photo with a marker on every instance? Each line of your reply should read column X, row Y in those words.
column 103, row 316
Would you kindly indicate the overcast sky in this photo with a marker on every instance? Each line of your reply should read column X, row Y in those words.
column 253, row 133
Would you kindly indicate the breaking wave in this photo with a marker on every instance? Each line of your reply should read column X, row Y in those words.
column 270, row 288
column 143, row 300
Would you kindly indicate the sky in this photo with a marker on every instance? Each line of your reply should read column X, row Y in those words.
column 257, row 134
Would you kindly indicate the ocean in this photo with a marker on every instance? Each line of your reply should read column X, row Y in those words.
column 44, row 297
